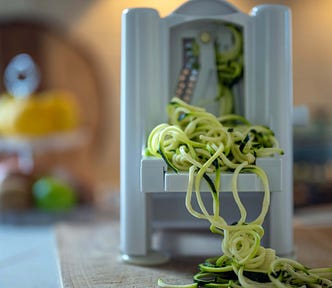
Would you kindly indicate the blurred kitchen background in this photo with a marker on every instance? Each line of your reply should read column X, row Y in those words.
column 76, row 45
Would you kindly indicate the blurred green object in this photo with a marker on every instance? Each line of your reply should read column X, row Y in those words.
column 53, row 194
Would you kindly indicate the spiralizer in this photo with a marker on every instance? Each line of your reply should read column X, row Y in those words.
column 176, row 56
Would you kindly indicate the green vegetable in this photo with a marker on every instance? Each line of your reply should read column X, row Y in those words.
column 229, row 65
column 52, row 194
column 161, row 283
column 201, row 144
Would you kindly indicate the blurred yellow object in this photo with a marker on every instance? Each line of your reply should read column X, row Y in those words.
column 38, row 115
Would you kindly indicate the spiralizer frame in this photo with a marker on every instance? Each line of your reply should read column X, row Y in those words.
column 154, row 222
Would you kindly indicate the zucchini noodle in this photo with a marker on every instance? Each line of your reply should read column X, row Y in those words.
column 229, row 68
column 201, row 144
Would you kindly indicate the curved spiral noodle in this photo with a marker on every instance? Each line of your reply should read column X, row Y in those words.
column 197, row 142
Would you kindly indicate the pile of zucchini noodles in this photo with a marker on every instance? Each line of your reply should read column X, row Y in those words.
column 200, row 143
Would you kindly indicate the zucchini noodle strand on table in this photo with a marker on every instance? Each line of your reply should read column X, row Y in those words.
column 201, row 144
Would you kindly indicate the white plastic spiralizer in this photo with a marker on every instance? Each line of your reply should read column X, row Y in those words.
column 154, row 220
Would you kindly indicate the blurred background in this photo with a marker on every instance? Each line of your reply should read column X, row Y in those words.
column 76, row 46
